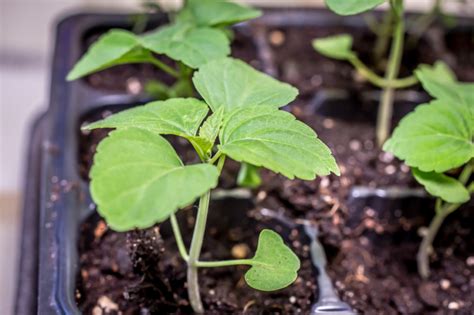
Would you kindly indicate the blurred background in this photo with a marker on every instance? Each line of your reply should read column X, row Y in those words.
column 26, row 42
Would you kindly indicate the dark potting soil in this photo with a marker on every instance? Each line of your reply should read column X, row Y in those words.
column 299, row 64
column 371, row 250
column 371, row 247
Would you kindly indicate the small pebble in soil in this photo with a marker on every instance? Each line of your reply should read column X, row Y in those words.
column 386, row 157
column 470, row 261
column 390, row 169
column 453, row 305
column 445, row 284
column 107, row 304
column 404, row 168
column 328, row 123
column 240, row 251
column 355, row 145
column 277, row 38
column 261, row 195
column 292, row 300
column 100, row 229
column 324, row 182
column 370, row 212
column 134, row 86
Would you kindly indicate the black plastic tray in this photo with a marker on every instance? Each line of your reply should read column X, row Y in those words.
column 57, row 198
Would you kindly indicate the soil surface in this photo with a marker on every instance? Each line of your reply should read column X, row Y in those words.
column 371, row 243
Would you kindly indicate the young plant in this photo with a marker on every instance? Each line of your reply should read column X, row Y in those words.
column 197, row 35
column 340, row 47
column 138, row 180
column 436, row 140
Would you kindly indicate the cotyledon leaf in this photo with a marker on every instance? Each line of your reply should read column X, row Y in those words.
column 178, row 116
column 439, row 185
column 138, row 180
column 350, row 7
column 194, row 46
column 113, row 48
column 272, row 138
column 435, row 137
column 274, row 265
column 232, row 83
column 337, row 47
column 216, row 12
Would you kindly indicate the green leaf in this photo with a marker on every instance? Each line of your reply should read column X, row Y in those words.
column 249, row 176
column 210, row 128
column 138, row 180
column 351, row 7
column 274, row 265
column 337, row 47
column 113, row 48
column 216, row 12
column 209, row 131
column 440, row 185
column 440, row 82
column 232, row 83
column 268, row 137
column 178, row 116
column 435, row 137
column 188, row 44
column 157, row 90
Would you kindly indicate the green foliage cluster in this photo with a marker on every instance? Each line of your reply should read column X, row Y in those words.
column 138, row 179
column 436, row 140
column 197, row 35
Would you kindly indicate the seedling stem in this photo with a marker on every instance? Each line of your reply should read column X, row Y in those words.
column 385, row 112
column 442, row 211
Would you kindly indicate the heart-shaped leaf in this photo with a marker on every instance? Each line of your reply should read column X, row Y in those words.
column 186, row 43
column 336, row 47
column 113, row 48
column 216, row 12
column 274, row 265
column 440, row 185
column 268, row 137
column 435, row 137
column 350, row 7
column 179, row 116
column 138, row 180
column 232, row 83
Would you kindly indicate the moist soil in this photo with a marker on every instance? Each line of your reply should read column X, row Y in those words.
column 371, row 244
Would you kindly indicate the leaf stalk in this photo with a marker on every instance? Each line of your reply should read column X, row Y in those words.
column 161, row 65
column 179, row 238
column 377, row 80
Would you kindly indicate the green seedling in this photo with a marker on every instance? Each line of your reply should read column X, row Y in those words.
column 197, row 35
column 436, row 140
column 340, row 47
column 138, row 180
